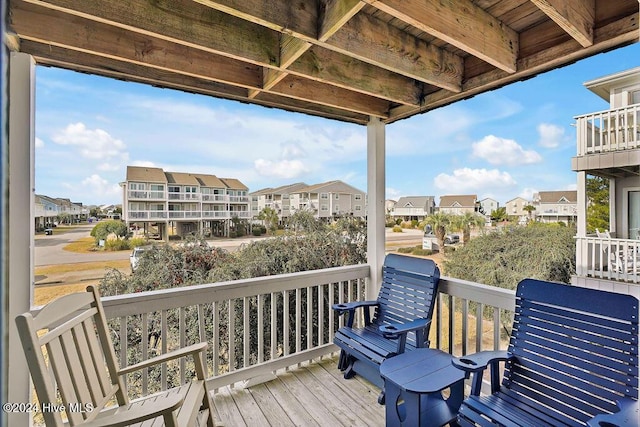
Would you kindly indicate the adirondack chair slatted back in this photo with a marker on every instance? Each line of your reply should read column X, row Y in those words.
column 576, row 351
column 409, row 287
column 74, row 353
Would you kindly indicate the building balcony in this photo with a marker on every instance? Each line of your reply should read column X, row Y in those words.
column 185, row 214
column 145, row 215
column 609, row 131
column 609, row 259
column 238, row 199
column 214, row 198
column 145, row 195
column 189, row 197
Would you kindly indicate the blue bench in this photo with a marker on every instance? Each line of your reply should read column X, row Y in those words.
column 400, row 321
column 572, row 361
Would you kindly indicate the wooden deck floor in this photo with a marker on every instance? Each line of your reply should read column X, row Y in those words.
column 314, row 394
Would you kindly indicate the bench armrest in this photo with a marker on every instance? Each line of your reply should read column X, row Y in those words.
column 628, row 415
column 350, row 308
column 477, row 363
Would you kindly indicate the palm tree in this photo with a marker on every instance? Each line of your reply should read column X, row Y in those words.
column 529, row 209
column 440, row 222
column 466, row 222
column 269, row 216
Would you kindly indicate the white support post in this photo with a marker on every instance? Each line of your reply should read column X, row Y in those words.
column 375, row 205
column 581, row 225
column 21, row 222
column 613, row 197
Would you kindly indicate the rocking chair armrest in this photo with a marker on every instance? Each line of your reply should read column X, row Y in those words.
column 175, row 354
column 627, row 416
column 138, row 414
column 394, row 330
column 351, row 306
column 479, row 361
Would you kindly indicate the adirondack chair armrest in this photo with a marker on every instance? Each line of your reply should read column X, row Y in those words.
column 176, row 354
column 628, row 415
column 350, row 308
column 477, row 363
column 139, row 413
column 394, row 330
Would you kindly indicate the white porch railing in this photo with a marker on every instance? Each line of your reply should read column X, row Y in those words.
column 250, row 336
column 612, row 259
column 610, row 130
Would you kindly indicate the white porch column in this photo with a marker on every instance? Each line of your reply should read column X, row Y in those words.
column 375, row 206
column 581, row 225
column 613, row 226
column 21, row 225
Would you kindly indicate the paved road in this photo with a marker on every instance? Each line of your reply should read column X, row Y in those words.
column 49, row 250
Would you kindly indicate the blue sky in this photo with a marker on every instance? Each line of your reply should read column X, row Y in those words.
column 502, row 144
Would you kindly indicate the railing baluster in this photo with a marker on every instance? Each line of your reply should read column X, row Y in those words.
column 246, row 331
column 479, row 322
column 183, row 342
column 274, row 324
column 496, row 328
column 331, row 314
column 452, row 314
column 309, row 317
column 285, row 322
column 232, row 335
column 298, row 320
column 163, row 334
column 216, row 338
column 145, row 352
column 260, row 320
column 465, row 322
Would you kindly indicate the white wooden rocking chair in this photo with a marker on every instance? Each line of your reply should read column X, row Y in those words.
column 73, row 363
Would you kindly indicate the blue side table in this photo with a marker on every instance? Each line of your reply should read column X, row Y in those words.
column 414, row 382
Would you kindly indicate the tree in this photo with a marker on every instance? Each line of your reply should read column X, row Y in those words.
column 499, row 214
column 440, row 222
column 63, row 218
column 466, row 222
column 270, row 218
column 104, row 229
column 529, row 209
column 598, row 207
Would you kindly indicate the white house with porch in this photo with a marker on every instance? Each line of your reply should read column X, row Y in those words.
column 608, row 146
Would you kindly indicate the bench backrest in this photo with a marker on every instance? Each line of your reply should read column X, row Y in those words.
column 576, row 350
column 408, row 292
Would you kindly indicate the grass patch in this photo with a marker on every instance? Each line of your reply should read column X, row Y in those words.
column 83, row 245
column 45, row 294
column 48, row 270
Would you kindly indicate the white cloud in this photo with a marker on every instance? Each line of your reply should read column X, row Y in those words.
column 502, row 151
column 39, row 143
column 393, row 193
column 280, row 169
column 467, row 180
column 550, row 135
column 94, row 144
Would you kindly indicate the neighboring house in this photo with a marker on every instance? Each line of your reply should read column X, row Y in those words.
column 458, row 205
column 188, row 203
column 556, row 206
column 488, row 205
column 414, row 208
column 278, row 199
column 608, row 146
column 46, row 211
column 330, row 200
column 389, row 205
column 515, row 208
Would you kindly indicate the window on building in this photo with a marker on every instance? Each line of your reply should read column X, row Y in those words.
column 174, row 189
column 157, row 187
column 324, row 196
column 358, row 197
column 136, row 186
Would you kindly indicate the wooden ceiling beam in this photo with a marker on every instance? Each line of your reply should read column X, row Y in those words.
column 331, row 96
column 576, row 17
column 50, row 26
column 460, row 23
column 365, row 38
column 334, row 14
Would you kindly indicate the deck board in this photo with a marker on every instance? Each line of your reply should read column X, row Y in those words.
column 311, row 394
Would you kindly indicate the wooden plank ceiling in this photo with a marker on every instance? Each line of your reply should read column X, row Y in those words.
column 342, row 59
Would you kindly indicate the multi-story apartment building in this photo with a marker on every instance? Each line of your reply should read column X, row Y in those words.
column 188, row 203
column 556, row 206
column 515, row 208
column 458, row 204
column 330, row 200
column 414, row 207
column 608, row 146
column 279, row 199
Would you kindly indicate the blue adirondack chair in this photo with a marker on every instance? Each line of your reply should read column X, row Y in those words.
column 572, row 361
column 400, row 322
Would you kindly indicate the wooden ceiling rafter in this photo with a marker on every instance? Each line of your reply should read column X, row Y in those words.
column 342, row 59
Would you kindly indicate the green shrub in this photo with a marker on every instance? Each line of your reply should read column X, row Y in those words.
column 116, row 245
column 405, row 250
column 414, row 223
column 422, row 252
column 256, row 231
column 397, row 229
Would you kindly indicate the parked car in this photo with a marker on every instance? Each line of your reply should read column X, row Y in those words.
column 136, row 253
column 451, row 239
